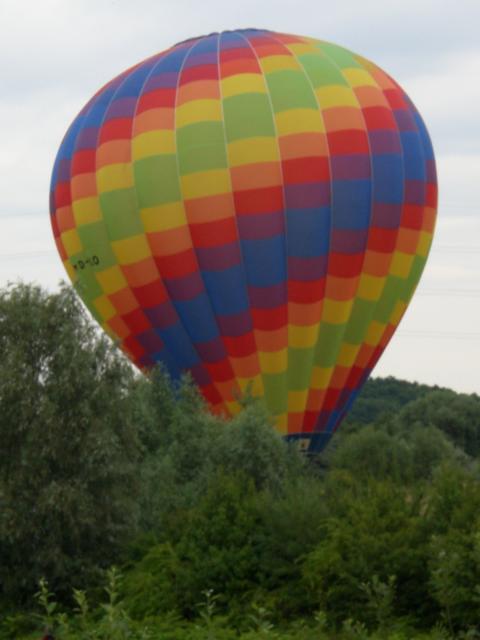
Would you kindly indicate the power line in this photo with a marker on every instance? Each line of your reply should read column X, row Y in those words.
column 455, row 248
column 454, row 293
column 439, row 335
column 28, row 254
column 39, row 252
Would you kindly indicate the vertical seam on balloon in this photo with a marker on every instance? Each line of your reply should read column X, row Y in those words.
column 320, row 112
column 89, row 108
column 369, row 368
column 371, row 206
column 242, row 264
column 421, row 129
column 214, row 382
column 285, row 373
column 371, row 363
column 161, row 58
column 412, row 110
column 127, row 75
column 54, row 182
column 86, row 109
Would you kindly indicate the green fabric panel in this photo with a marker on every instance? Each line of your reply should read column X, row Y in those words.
column 389, row 298
column 359, row 321
column 248, row 116
column 156, row 180
column 321, row 71
column 275, row 392
column 340, row 56
column 300, row 363
column 120, row 213
column 290, row 89
column 202, row 159
column 414, row 276
column 88, row 287
column 95, row 237
column 200, row 147
column 330, row 340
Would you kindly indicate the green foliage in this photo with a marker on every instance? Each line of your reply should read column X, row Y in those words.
column 455, row 548
column 390, row 451
column 457, row 415
column 68, row 449
column 375, row 529
column 185, row 446
column 382, row 397
column 221, row 529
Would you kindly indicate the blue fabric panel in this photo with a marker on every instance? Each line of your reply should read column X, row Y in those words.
column 351, row 201
column 197, row 318
column 387, row 179
column 308, row 232
column 264, row 261
column 413, row 155
column 179, row 346
column 226, row 290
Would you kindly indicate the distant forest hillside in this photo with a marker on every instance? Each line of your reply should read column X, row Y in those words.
column 384, row 396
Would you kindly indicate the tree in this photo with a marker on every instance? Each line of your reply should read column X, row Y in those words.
column 67, row 445
column 456, row 414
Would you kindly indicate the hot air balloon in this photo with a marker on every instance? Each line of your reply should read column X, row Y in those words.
column 254, row 208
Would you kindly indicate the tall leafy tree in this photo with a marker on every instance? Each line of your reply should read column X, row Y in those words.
column 67, row 445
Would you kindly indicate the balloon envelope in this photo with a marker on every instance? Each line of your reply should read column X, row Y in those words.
column 255, row 208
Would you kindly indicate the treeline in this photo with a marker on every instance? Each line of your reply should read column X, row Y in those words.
column 219, row 529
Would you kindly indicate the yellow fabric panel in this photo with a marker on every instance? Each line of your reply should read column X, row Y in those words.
column 374, row 333
column 72, row 274
column 348, row 354
column 424, row 243
column 398, row 312
column 252, row 150
column 111, row 280
column 321, row 377
column 273, row 361
column 233, row 407
column 163, row 217
column 131, row 250
column 302, row 336
column 297, row 401
column 114, row 176
column 153, row 143
column 205, row 183
column 335, row 96
column 86, row 210
column 243, row 83
column 301, row 48
column 104, row 307
column 401, row 264
column 198, row 111
column 278, row 63
column 299, row 121
column 370, row 287
column 336, row 311
column 358, row 77
column 71, row 242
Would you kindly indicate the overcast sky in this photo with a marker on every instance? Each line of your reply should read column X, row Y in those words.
column 56, row 53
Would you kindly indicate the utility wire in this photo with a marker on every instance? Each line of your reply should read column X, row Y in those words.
column 436, row 248
column 439, row 335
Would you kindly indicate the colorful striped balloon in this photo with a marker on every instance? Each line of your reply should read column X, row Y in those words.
column 255, row 208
